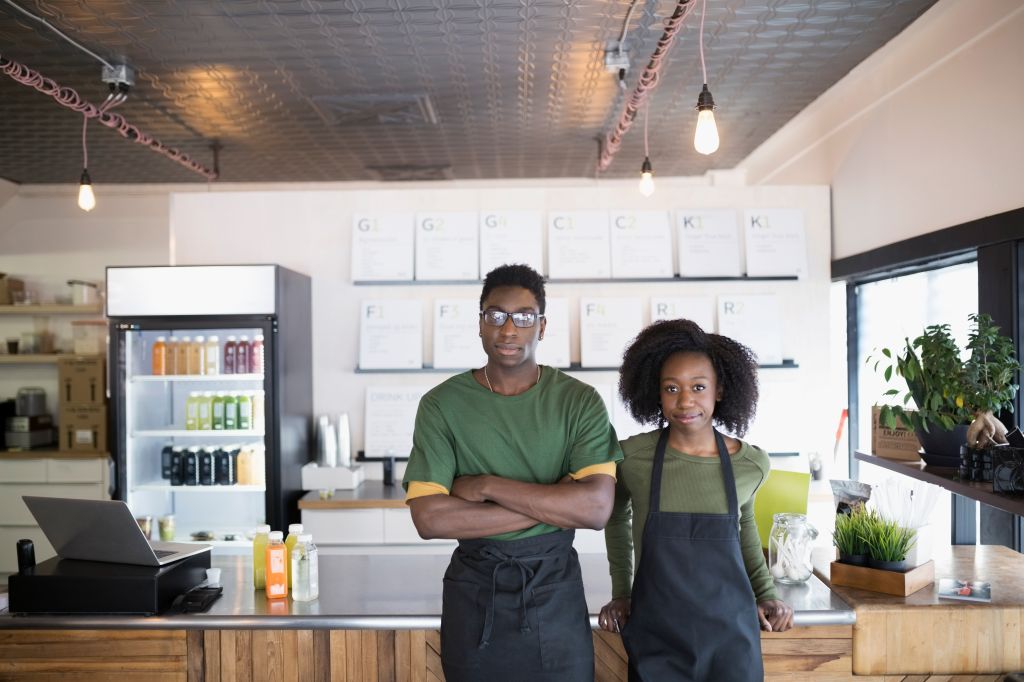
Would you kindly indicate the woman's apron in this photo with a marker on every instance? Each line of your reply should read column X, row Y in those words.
column 693, row 613
column 515, row 610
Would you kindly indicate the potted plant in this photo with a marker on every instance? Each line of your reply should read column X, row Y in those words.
column 888, row 544
column 848, row 536
column 949, row 390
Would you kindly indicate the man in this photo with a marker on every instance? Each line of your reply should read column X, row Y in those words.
column 508, row 459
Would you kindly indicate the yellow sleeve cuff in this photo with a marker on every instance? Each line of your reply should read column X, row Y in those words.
column 606, row 468
column 424, row 488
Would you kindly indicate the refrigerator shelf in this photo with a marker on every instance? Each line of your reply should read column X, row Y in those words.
column 182, row 433
column 197, row 378
column 163, row 486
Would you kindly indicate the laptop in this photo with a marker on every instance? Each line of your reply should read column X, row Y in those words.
column 102, row 530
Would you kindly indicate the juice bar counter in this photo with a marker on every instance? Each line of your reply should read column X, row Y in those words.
column 377, row 618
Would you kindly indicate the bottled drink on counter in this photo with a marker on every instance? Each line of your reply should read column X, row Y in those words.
column 159, row 356
column 244, row 411
column 259, row 557
column 171, row 356
column 181, row 354
column 192, row 411
column 217, row 406
column 257, row 410
column 305, row 569
column 196, row 356
column 206, row 411
column 211, row 356
column 277, row 574
column 242, row 353
column 294, row 530
column 256, row 355
column 230, row 356
column 230, row 411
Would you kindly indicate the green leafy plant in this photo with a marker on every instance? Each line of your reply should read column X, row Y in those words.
column 888, row 541
column 848, row 536
column 947, row 389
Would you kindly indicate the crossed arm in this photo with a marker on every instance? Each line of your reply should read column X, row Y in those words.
column 480, row 506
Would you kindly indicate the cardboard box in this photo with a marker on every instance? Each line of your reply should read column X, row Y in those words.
column 83, row 428
column 899, row 443
column 82, row 381
column 8, row 285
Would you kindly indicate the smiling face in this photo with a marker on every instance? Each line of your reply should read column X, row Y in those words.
column 689, row 390
column 509, row 346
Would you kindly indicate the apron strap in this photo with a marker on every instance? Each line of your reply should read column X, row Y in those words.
column 723, row 457
column 526, row 574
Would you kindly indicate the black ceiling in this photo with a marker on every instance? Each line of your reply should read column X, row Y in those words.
column 315, row 90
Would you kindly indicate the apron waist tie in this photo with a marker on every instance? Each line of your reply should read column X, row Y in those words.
column 525, row 575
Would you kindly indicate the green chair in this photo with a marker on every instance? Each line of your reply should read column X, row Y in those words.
column 783, row 491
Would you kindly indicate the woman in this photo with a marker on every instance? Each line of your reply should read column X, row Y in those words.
column 685, row 500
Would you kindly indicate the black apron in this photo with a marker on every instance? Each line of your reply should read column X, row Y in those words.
column 694, row 614
column 515, row 610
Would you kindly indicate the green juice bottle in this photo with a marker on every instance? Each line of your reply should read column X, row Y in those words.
column 230, row 411
column 206, row 411
column 217, row 407
column 244, row 411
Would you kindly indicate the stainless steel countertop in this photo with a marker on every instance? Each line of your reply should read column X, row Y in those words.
column 380, row 592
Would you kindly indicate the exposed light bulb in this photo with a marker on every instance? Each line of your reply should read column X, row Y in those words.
column 86, row 199
column 646, row 178
column 705, row 138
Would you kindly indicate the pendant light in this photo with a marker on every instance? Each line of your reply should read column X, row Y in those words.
column 705, row 138
column 646, row 185
column 86, row 198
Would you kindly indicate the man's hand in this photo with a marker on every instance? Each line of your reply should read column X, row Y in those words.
column 775, row 615
column 985, row 430
column 470, row 488
column 614, row 614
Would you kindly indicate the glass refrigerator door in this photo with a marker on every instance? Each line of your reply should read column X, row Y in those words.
column 195, row 447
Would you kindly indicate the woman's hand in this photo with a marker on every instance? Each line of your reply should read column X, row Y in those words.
column 614, row 614
column 775, row 615
column 985, row 430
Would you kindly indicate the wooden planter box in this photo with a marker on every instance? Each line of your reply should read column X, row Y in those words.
column 887, row 582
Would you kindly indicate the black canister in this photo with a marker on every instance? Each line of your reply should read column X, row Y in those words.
column 26, row 555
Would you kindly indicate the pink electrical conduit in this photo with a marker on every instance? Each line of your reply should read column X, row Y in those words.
column 71, row 99
column 645, row 84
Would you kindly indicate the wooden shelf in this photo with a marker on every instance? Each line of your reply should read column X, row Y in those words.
column 51, row 454
column 950, row 480
column 574, row 367
column 600, row 280
column 38, row 359
column 52, row 309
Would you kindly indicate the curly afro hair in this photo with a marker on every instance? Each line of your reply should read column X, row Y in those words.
column 735, row 370
column 515, row 276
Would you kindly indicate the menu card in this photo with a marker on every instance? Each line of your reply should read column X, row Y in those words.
column 391, row 334
column 700, row 309
column 578, row 245
column 390, row 419
column 607, row 326
column 382, row 247
column 775, row 243
column 446, row 246
column 457, row 334
column 756, row 322
column 511, row 237
column 641, row 244
column 709, row 243
column 553, row 349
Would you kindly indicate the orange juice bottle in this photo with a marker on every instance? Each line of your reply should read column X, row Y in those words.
column 181, row 355
column 160, row 356
column 277, row 559
column 171, row 355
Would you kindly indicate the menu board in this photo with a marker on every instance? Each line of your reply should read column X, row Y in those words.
column 578, row 245
column 447, row 246
column 457, row 334
column 511, row 237
column 641, row 244
column 390, row 334
column 775, row 243
column 700, row 309
column 382, row 247
column 756, row 322
column 607, row 326
column 709, row 243
column 553, row 349
column 390, row 420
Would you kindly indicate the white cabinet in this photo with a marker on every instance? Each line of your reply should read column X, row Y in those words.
column 87, row 479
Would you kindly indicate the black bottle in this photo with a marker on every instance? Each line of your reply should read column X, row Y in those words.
column 190, row 468
column 205, row 467
column 177, row 467
column 166, row 462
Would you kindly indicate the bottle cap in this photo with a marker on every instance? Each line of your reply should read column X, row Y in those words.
column 262, row 528
column 160, row 339
column 174, row 338
column 306, row 537
column 186, row 338
column 294, row 528
column 200, row 339
column 258, row 337
column 245, row 337
column 276, row 536
column 231, row 338
column 214, row 338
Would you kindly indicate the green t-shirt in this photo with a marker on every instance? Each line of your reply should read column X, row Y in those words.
column 557, row 427
column 689, row 484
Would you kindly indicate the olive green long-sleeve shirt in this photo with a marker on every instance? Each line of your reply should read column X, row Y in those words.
column 689, row 484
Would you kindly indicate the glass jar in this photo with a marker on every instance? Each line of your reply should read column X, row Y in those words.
column 789, row 548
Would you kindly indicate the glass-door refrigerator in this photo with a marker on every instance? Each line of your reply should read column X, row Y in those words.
column 211, row 396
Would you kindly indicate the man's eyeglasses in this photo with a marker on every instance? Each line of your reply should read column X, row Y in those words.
column 496, row 318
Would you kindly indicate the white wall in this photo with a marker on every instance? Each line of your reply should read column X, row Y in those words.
column 924, row 134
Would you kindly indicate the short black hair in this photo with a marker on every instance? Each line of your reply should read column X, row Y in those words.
column 735, row 372
column 515, row 276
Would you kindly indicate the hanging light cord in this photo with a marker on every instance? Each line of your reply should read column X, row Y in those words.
column 112, row 100
column 703, row 11
column 56, row 30
column 71, row 99
column 646, row 83
column 625, row 25
column 647, row 109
